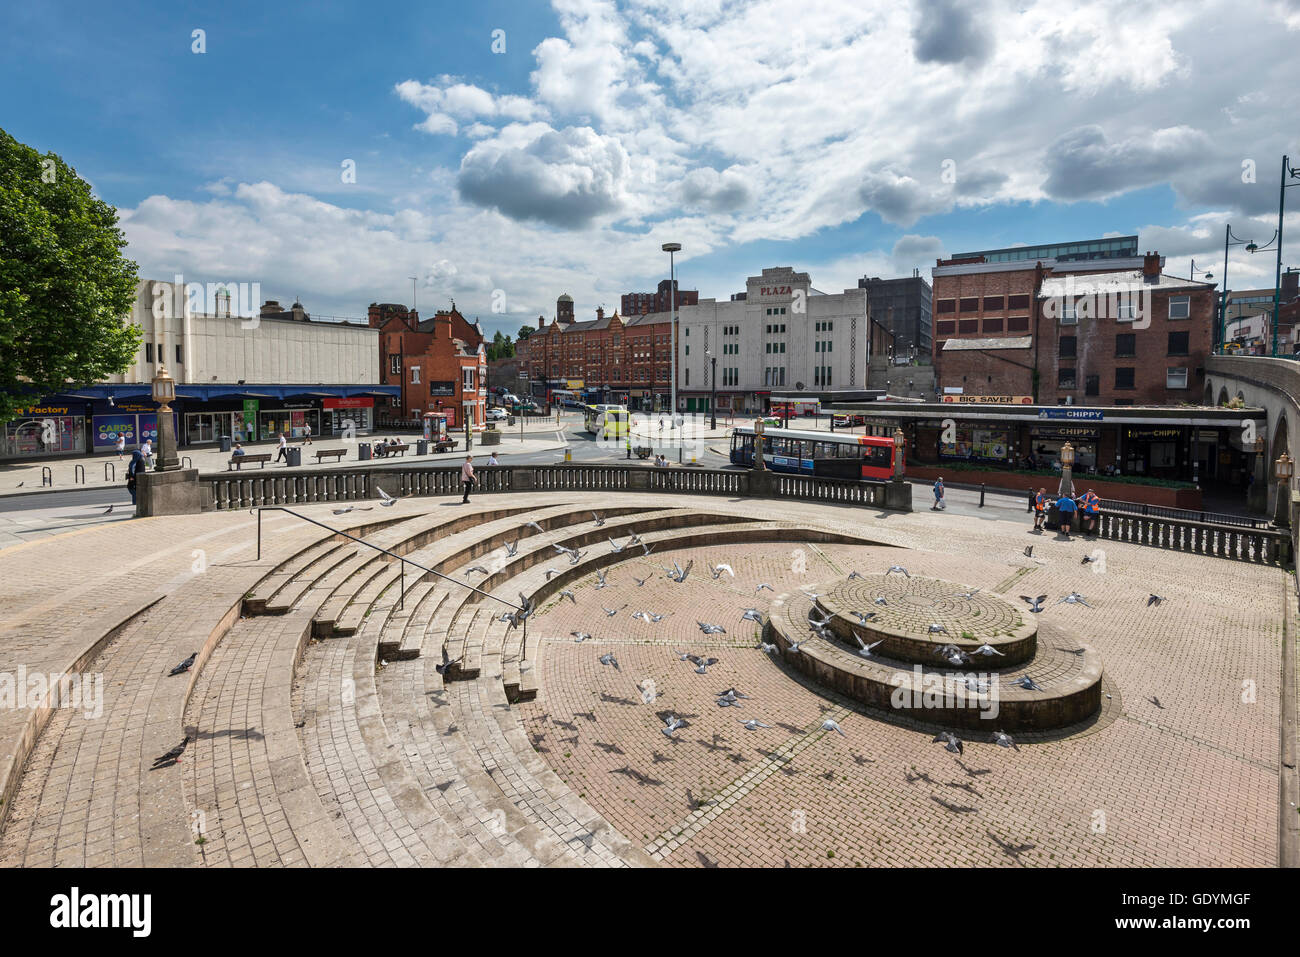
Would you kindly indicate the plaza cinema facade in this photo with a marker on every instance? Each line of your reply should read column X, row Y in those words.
column 1210, row 447
column 245, row 378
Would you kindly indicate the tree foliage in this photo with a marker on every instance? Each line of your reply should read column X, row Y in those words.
column 65, row 285
column 501, row 347
column 524, row 332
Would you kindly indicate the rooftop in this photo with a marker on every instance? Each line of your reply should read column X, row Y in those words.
column 1000, row 342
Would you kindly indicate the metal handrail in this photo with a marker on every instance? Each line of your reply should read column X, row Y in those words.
column 402, row 568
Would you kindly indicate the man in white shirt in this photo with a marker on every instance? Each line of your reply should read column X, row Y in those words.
column 284, row 449
column 147, row 451
column 492, row 459
column 467, row 479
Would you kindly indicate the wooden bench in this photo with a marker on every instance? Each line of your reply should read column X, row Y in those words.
column 387, row 450
column 326, row 453
column 238, row 460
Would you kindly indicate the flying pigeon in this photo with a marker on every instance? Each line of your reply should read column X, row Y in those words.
column 512, row 549
column 1029, row 551
column 717, row 572
column 854, row 574
column 988, row 651
column 752, row 614
column 968, row 595
column 611, row 612
column 635, row 539
column 386, row 500
column 1156, row 701
column 765, row 646
column 678, row 574
column 795, row 646
column 575, row 556
column 880, row 600
column 475, row 568
column 534, row 525
column 1074, row 598
column 864, row 649
column 897, row 568
column 579, row 636
column 172, row 756
column 1035, row 604
column 565, row 593
column 950, row 741
column 1154, row 599
column 645, row 549
column 550, row 572
column 185, row 665
column 818, row 622
column 936, row 629
column 1003, row 740
column 1028, row 683
column 639, row 581
column 763, row 585
column 702, row 664
column 609, row 659
column 1087, row 560
column 977, row 685
column 600, row 578
column 753, row 724
column 617, row 548
column 830, row 724
column 597, row 519
column 731, row 694
column 862, row 617
column 671, row 724
column 446, row 662
column 109, row 510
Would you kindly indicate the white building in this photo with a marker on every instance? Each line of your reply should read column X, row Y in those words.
column 783, row 337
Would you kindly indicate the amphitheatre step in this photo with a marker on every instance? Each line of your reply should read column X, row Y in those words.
column 1067, row 671
column 389, row 620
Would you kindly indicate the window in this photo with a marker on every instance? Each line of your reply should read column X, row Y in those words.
column 688, row 377
column 945, row 305
column 148, row 352
column 992, row 303
column 1180, row 307
column 1017, row 302
column 1092, row 385
column 1125, row 344
column 970, row 304
column 1069, row 313
column 415, row 375
column 993, row 325
column 1178, row 344
column 1124, row 307
column 1176, row 378
column 688, row 350
column 467, row 379
column 1068, row 347
column 1124, row 377
column 1065, row 378
column 945, row 327
column 394, row 364
column 968, row 325
column 1018, row 323
column 178, row 353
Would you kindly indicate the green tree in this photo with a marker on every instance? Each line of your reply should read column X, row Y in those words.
column 64, row 284
column 525, row 332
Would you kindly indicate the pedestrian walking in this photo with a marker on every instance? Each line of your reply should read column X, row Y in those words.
column 121, row 445
column 1040, row 509
column 1065, row 507
column 283, row 453
column 306, row 435
column 147, row 451
column 938, row 496
column 138, row 464
column 492, row 459
column 467, row 479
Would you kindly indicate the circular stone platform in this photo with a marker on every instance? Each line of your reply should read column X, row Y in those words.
column 980, row 696
column 970, row 618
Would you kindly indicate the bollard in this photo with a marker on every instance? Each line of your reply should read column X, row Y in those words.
column 47, row 477
column 110, row 472
column 981, row 494
column 79, row 474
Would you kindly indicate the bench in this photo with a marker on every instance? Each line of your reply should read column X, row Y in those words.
column 327, row 453
column 238, row 460
column 383, row 451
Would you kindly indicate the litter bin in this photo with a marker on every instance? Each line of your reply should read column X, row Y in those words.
column 294, row 457
column 510, row 420
column 225, row 443
column 421, row 447
column 363, row 451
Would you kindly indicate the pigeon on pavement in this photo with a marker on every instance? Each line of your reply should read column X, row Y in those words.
column 185, row 665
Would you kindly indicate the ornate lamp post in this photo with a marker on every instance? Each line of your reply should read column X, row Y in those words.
column 713, row 388
column 759, row 427
column 1283, row 469
column 1288, row 172
column 900, row 443
column 164, row 393
column 1066, row 488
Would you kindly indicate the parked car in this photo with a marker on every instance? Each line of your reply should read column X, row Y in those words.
column 497, row 415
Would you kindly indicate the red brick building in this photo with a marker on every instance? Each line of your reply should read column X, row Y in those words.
column 644, row 303
column 440, row 363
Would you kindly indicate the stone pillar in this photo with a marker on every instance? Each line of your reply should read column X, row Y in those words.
column 176, row 492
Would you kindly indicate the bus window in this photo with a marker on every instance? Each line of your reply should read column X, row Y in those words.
column 877, row 455
column 747, row 443
column 826, row 450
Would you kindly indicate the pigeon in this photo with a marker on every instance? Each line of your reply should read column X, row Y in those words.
column 1074, row 598
column 446, row 662
column 1028, row 683
column 645, row 549
column 617, row 548
column 647, row 616
column 731, row 694
column 387, row 501
column 337, row 511
column 717, row 572
column 977, row 685
column 880, row 600
column 579, row 637
column 512, row 549
column 109, row 510
column 702, row 664
column 1035, row 604
column 575, row 556
column 683, row 655
column 819, row 622
column 968, row 595
column 954, row 656
column 611, row 612
column 1154, row 599
column 561, row 549
column 678, row 574
column 898, row 568
column 640, row 582
column 763, row 585
column 830, row 724
column 753, row 724
column 550, row 572
column 172, row 756
column 599, row 520
column 854, row 574
column 988, row 651
column 950, row 741
column 475, row 568
column 864, row 649
column 671, row 724
column 728, row 703
column 936, row 629
column 864, row 618
column 1029, row 551
column 20, row 485
column 752, row 614
column 565, row 593
column 765, row 646
column 795, row 646
column 635, row 539
column 1003, row 740
column 1087, row 560
column 609, row 659
column 1156, row 701
column 600, row 578
column 534, row 525
column 185, row 665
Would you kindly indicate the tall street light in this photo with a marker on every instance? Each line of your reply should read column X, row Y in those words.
column 1230, row 239
column 671, row 249
column 164, row 393
column 713, row 389
column 1287, row 171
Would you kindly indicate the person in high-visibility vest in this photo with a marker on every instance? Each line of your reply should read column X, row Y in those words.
column 1091, row 509
column 1040, row 508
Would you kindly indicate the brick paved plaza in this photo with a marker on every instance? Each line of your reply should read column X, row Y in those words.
column 309, row 747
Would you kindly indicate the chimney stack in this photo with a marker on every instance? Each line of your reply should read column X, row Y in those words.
column 600, row 312
column 1151, row 267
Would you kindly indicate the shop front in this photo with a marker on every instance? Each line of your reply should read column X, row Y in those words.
column 1157, row 452
column 1045, row 442
column 975, row 444
column 45, row 430
column 353, row 415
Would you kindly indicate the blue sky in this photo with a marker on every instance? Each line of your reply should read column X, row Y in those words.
column 841, row 138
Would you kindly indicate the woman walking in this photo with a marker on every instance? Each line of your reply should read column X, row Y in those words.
column 137, row 465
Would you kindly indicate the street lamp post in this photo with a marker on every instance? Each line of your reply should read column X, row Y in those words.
column 900, row 443
column 1283, row 469
column 1287, row 171
column 164, row 393
column 713, row 389
column 1066, row 488
column 1231, row 239
column 759, row 427
column 672, row 249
